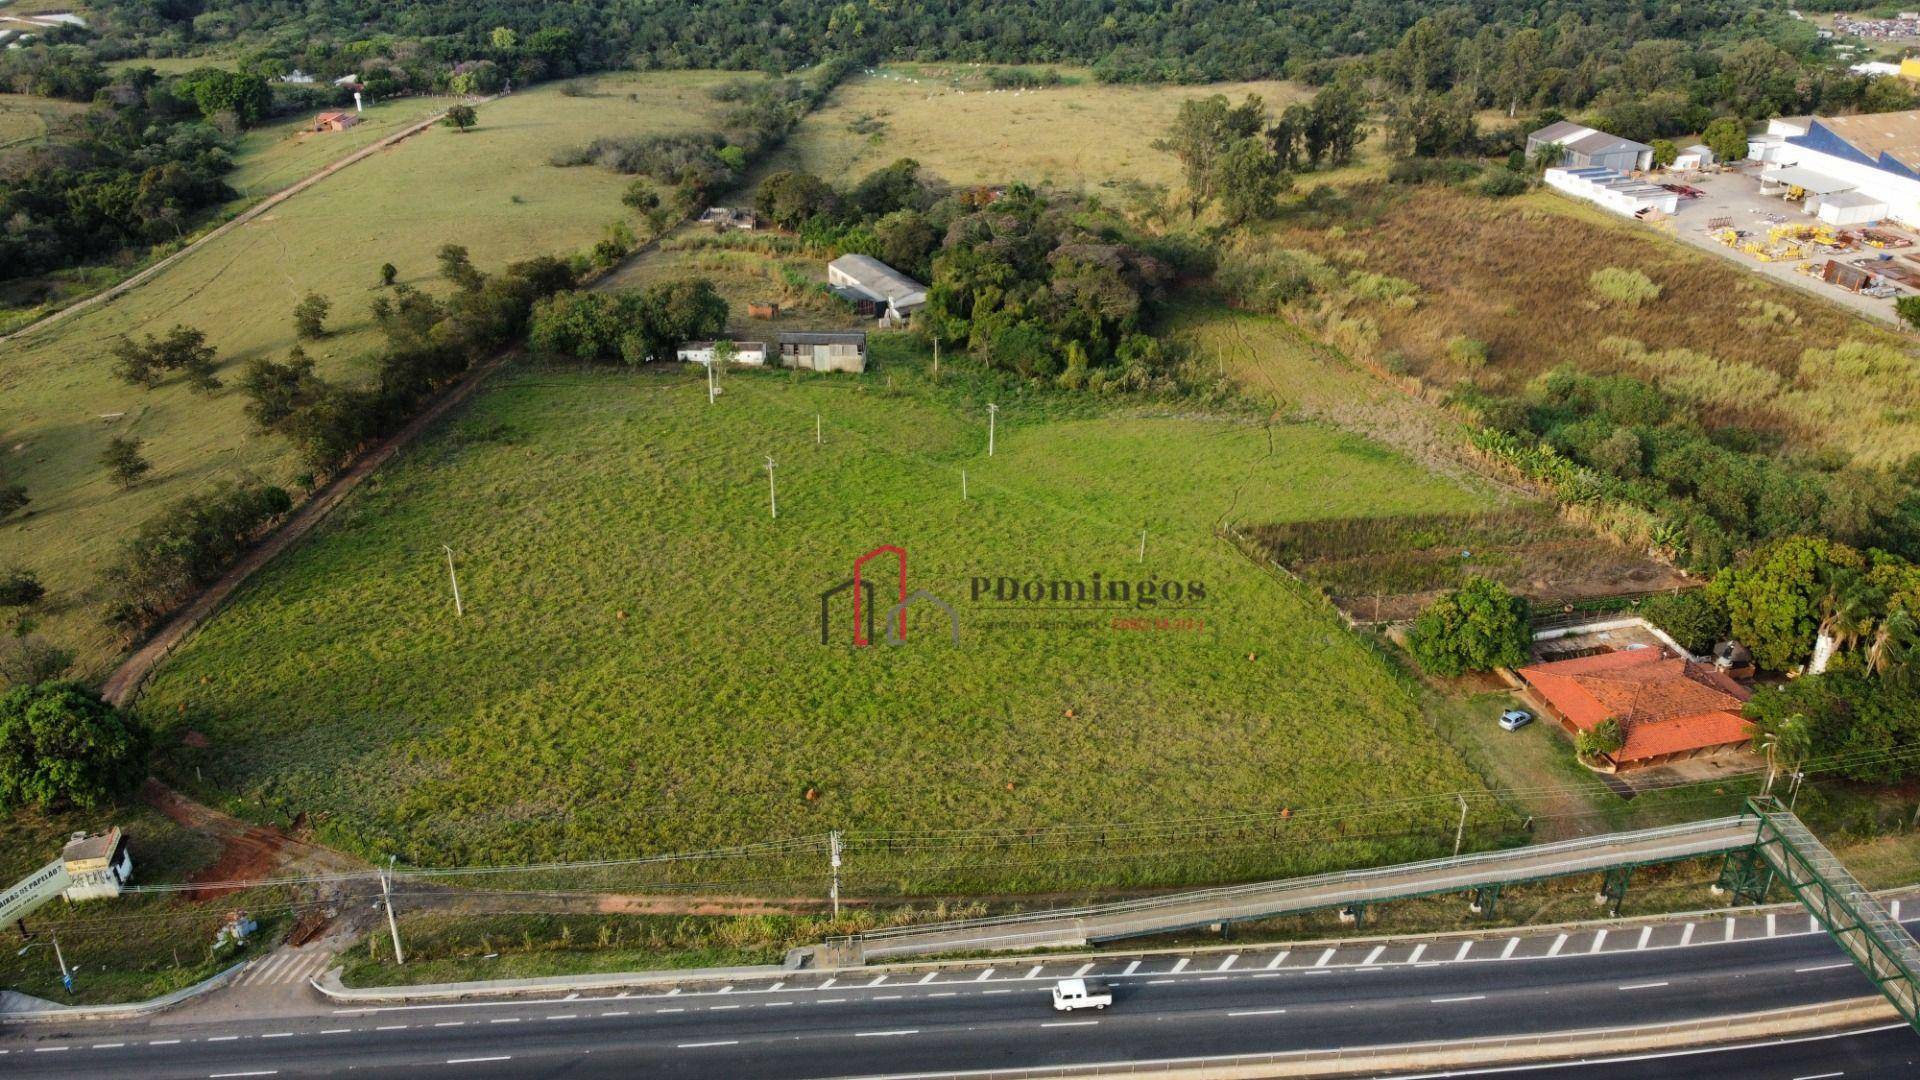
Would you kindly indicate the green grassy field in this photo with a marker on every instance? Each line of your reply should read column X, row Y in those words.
column 638, row 669
column 1081, row 134
column 491, row 189
column 25, row 119
column 274, row 157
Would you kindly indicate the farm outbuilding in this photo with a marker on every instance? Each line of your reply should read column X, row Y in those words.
column 744, row 352
column 1584, row 147
column 334, row 121
column 825, row 351
column 1697, row 156
column 862, row 278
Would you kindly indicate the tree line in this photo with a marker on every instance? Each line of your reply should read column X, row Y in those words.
column 1124, row 40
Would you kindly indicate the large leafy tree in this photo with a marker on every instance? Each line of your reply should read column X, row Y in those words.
column 1202, row 131
column 1774, row 601
column 1477, row 627
column 61, row 745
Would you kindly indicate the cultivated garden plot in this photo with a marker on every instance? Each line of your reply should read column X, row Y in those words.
column 639, row 668
column 491, row 189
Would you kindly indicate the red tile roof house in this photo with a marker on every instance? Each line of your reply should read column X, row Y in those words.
column 1669, row 707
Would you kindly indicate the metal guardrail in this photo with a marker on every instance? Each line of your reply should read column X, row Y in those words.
column 1729, row 1028
column 1447, row 874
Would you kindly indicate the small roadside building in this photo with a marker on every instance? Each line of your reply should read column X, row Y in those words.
column 863, row 278
column 825, row 351
column 1590, row 148
column 744, row 352
column 335, row 121
column 97, row 866
column 1669, row 707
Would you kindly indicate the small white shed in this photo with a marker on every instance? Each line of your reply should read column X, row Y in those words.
column 1844, row 208
column 1697, row 156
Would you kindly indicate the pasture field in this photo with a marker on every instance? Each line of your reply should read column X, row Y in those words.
column 274, row 157
column 491, row 189
column 25, row 118
column 1514, row 274
column 1080, row 134
column 639, row 668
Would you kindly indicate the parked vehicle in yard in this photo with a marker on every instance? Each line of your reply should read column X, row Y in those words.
column 1515, row 719
column 1071, row 994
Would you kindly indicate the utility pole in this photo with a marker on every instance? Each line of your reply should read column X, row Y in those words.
column 713, row 388
column 833, row 849
column 1460, row 834
column 816, row 429
column 393, row 927
column 458, row 608
column 66, row 977
column 992, row 412
column 773, row 505
column 963, row 485
column 1143, row 545
column 936, row 358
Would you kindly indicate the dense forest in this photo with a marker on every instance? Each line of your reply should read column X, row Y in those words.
column 1201, row 40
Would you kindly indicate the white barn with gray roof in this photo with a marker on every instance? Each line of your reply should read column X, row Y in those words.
column 863, row 277
column 1591, row 148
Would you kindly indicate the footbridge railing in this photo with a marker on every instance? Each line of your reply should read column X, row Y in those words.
column 1483, row 874
column 1868, row 933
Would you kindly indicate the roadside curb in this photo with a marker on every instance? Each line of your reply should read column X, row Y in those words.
column 330, row 985
column 1448, row 1058
column 130, row 1010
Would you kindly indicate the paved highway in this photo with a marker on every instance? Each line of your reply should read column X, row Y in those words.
column 1262, row 1000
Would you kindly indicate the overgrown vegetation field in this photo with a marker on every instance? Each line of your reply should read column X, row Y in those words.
column 639, row 667
column 491, row 189
column 1519, row 278
column 1078, row 134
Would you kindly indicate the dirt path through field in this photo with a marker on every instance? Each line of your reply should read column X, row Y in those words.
column 248, row 852
column 240, row 219
column 126, row 679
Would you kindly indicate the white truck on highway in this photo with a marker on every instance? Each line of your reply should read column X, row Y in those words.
column 1071, row 994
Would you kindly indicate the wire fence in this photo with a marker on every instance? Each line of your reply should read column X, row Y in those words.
column 1093, row 857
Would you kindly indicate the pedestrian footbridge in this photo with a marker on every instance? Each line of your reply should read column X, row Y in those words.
column 1764, row 845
